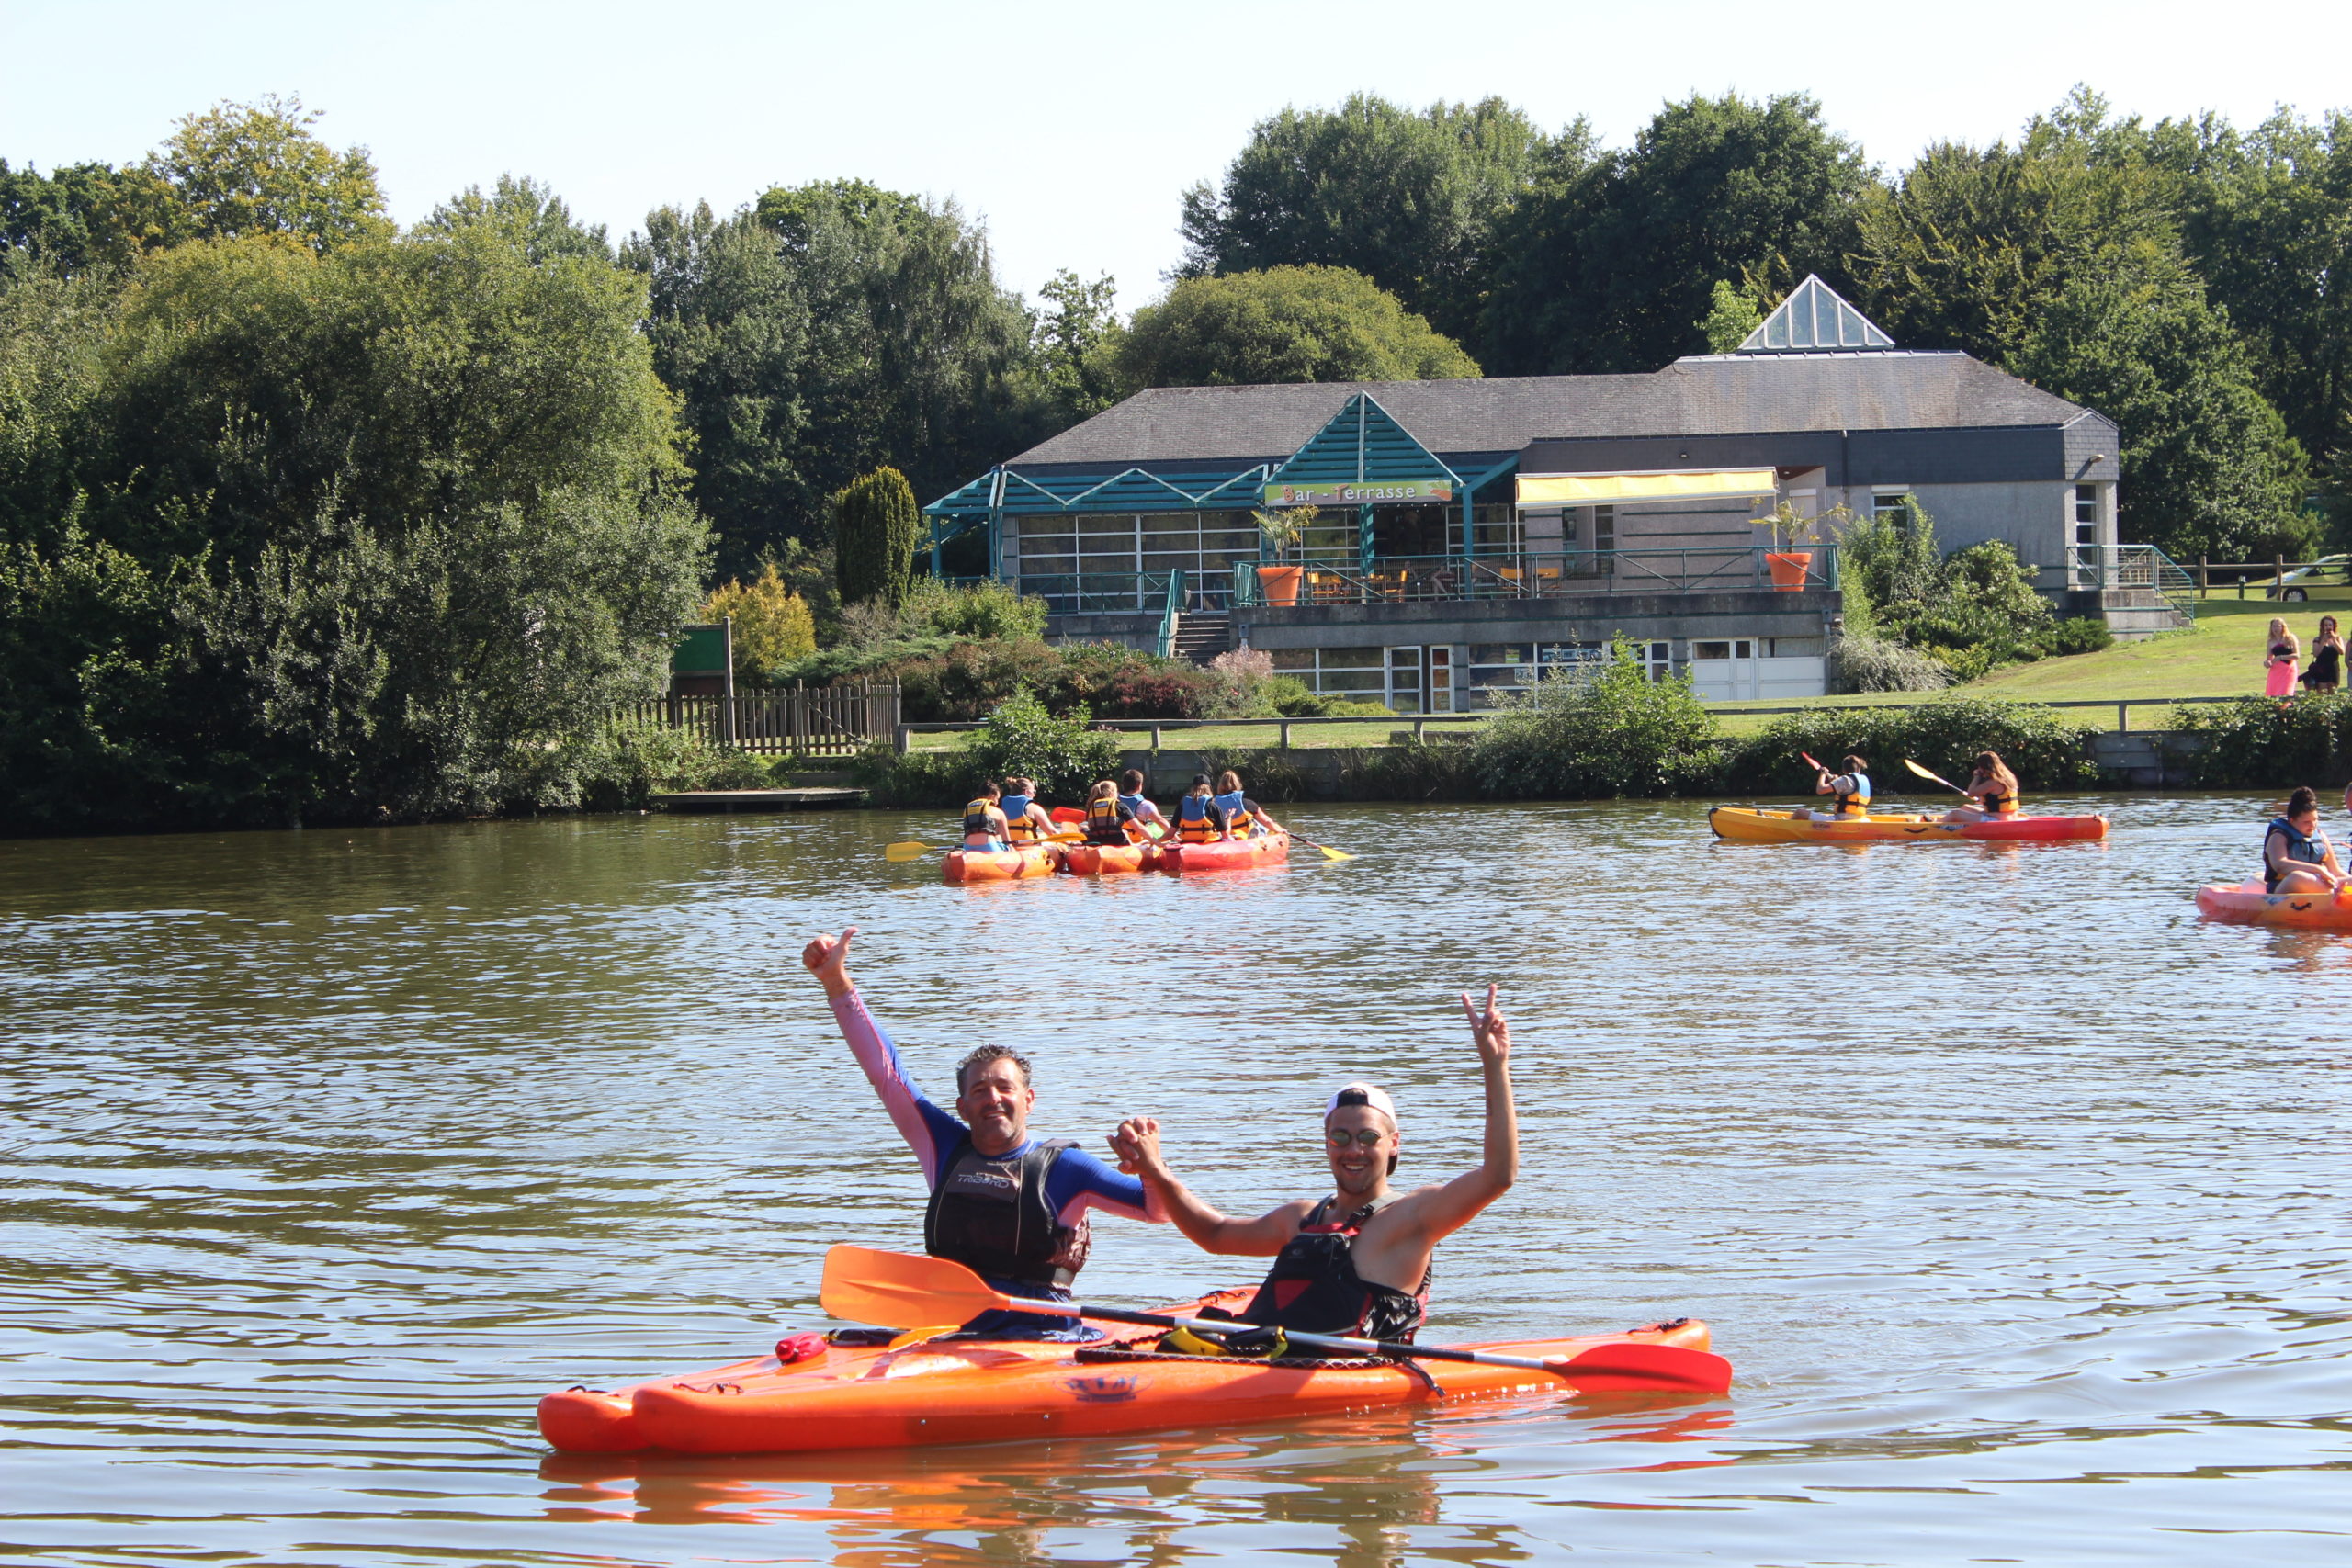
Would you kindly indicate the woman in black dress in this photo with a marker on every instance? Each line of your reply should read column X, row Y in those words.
column 2327, row 658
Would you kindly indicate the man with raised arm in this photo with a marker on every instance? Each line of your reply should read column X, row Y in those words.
column 1357, row 1261
column 1012, row 1209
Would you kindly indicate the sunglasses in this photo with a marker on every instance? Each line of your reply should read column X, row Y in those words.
column 1339, row 1137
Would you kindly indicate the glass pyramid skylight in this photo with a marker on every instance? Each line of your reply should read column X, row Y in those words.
column 1811, row 320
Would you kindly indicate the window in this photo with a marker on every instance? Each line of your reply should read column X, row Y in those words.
column 1735, row 647
column 2086, row 514
column 1657, row 657
column 1120, row 561
column 1353, row 673
column 1885, row 503
column 1499, row 668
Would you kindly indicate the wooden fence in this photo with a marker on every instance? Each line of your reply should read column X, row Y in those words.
column 784, row 721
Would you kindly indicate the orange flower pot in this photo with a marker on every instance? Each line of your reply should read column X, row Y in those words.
column 1280, row 583
column 1789, row 569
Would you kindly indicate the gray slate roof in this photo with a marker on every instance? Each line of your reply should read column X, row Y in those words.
column 1710, row 395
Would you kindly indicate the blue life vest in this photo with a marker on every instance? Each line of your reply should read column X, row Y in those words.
column 2311, row 849
column 1859, row 800
column 1019, row 828
column 1235, row 807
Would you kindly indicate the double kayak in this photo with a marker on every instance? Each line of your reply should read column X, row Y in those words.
column 2246, row 903
column 922, row 1388
column 1109, row 860
column 1001, row 865
column 1227, row 854
column 1755, row 826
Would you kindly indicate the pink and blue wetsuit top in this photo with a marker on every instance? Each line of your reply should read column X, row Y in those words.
column 1077, row 1182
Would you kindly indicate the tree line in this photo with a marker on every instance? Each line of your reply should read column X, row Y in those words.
column 304, row 516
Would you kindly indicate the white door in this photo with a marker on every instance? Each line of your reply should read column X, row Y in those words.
column 1405, row 680
column 1726, row 671
column 1441, row 680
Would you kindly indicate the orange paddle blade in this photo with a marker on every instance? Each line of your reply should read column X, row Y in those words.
column 1631, row 1368
column 899, row 1291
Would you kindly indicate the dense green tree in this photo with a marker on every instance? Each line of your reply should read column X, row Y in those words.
column 1613, row 266
column 81, row 216
column 2208, row 466
column 239, row 170
column 1409, row 199
column 1075, row 348
column 830, row 329
column 527, row 215
column 875, row 525
column 371, row 531
column 1287, row 323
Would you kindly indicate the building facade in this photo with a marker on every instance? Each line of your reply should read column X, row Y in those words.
column 1451, row 539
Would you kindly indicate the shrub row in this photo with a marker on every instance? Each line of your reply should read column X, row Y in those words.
column 2261, row 743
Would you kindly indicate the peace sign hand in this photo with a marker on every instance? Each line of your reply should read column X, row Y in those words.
column 1492, row 1031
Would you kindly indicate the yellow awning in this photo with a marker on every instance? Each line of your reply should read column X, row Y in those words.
column 1589, row 490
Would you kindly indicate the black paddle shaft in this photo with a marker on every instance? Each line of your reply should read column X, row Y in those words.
column 1313, row 1342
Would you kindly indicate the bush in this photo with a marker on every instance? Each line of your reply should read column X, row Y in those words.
column 1064, row 755
column 1860, row 662
column 2078, row 634
column 2045, row 750
column 619, row 767
column 1239, row 684
column 1608, row 733
column 2261, row 743
column 875, row 525
column 772, row 624
column 957, row 681
column 1290, row 697
column 987, row 610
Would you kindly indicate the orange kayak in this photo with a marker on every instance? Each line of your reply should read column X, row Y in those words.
column 923, row 1390
column 1751, row 825
column 2245, row 903
column 1001, row 865
column 1227, row 854
column 1109, row 860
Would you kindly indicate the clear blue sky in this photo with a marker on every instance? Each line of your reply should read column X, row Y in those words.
column 1073, row 128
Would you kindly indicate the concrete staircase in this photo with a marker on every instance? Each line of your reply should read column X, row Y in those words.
column 1201, row 637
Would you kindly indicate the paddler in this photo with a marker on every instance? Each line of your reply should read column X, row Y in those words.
column 1009, row 1207
column 1108, row 819
column 1025, row 820
column 1852, row 788
column 2296, row 855
column 1356, row 1262
column 984, row 822
column 1992, row 790
column 1199, row 818
column 1243, row 816
column 1146, row 814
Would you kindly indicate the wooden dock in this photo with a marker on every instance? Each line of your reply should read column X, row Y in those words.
column 820, row 799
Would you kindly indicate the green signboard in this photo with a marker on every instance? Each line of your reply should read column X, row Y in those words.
column 702, row 651
column 1358, row 492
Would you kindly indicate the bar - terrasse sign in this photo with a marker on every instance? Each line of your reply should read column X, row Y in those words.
column 1358, row 492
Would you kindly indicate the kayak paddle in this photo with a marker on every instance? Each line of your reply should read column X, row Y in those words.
column 911, row 849
column 1328, row 852
column 1810, row 758
column 900, row 1290
column 1937, row 777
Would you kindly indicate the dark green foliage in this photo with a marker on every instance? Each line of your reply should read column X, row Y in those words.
column 875, row 525
column 620, row 767
column 1611, row 266
column 1064, row 755
column 2080, row 634
column 2261, row 743
column 1970, row 611
column 1290, row 697
column 528, row 216
column 1862, row 661
column 1610, row 732
column 1409, row 199
column 2045, row 750
column 1289, row 323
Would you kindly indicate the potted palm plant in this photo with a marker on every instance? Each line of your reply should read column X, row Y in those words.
column 1786, row 560
column 1281, row 529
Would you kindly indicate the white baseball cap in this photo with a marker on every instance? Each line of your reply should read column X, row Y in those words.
column 1372, row 1095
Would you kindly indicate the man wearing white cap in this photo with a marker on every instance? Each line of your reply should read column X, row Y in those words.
column 1357, row 1261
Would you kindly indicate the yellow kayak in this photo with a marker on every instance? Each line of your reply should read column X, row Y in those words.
column 1751, row 825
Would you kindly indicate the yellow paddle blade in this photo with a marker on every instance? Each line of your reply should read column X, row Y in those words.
column 1918, row 770
column 1329, row 853
column 899, row 1291
column 906, row 848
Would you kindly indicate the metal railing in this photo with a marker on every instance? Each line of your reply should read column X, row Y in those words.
column 785, row 721
column 1122, row 593
column 2136, row 566
column 1558, row 574
column 1172, row 613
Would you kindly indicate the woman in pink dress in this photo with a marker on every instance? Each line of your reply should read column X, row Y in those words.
column 2280, row 662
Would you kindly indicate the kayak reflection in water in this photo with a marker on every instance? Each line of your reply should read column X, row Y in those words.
column 1357, row 1261
column 1012, row 1209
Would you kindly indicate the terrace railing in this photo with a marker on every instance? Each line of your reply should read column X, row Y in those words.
column 1555, row 575
column 785, row 721
column 1126, row 593
column 2137, row 566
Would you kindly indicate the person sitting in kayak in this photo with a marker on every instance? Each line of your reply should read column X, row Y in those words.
column 1108, row 819
column 1356, row 1262
column 984, row 822
column 1025, row 820
column 1852, row 789
column 1992, row 788
column 1243, row 816
column 1146, row 814
column 2296, row 855
column 1013, row 1209
column 1199, row 818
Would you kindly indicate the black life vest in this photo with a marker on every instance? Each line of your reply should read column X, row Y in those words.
column 991, row 1214
column 976, row 818
column 2311, row 849
column 1103, row 824
column 1999, row 804
column 1314, row 1288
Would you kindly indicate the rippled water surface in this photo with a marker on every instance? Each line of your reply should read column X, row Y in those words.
column 2014, row 1192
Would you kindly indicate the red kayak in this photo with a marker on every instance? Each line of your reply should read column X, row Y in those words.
column 1227, row 854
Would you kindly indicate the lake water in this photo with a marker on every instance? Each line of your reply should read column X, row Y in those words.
column 2015, row 1193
